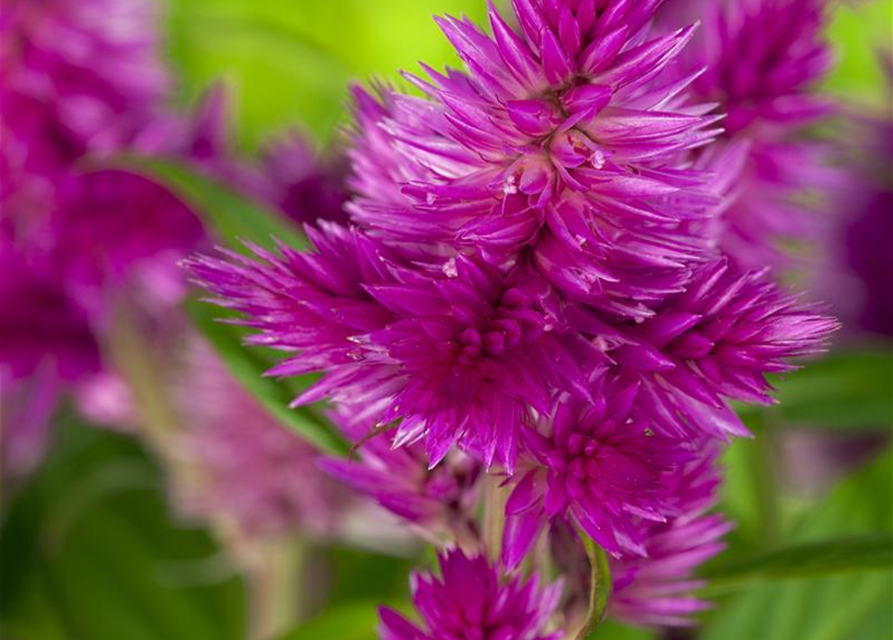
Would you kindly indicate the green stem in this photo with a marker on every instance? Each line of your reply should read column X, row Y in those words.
column 494, row 515
column 599, row 588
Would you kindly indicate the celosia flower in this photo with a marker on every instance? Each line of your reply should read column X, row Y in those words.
column 473, row 600
column 599, row 463
column 460, row 351
column 657, row 589
column 855, row 273
column 763, row 59
column 399, row 479
column 246, row 468
column 559, row 137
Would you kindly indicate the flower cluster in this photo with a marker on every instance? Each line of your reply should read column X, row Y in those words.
column 533, row 286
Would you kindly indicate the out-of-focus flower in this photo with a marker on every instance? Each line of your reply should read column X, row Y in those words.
column 303, row 185
column 46, row 343
column 473, row 600
column 856, row 272
column 762, row 60
column 79, row 77
column 113, row 227
column 561, row 138
column 601, row 465
column 245, row 467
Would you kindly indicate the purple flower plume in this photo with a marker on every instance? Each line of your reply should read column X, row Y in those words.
column 535, row 285
column 472, row 599
column 79, row 77
column 561, row 137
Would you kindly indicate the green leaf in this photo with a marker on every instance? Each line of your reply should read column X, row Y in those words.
column 355, row 621
column 844, row 390
column 871, row 552
column 232, row 217
column 89, row 551
column 249, row 366
column 839, row 607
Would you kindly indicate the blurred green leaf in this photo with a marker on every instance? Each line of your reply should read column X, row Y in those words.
column 291, row 61
column 249, row 366
column 841, row 607
column 860, row 31
column 611, row 630
column 842, row 555
column 89, row 551
column 232, row 217
column 355, row 621
column 844, row 390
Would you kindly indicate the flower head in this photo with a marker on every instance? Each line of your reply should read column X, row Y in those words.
column 113, row 227
column 472, row 600
column 762, row 60
column 46, row 344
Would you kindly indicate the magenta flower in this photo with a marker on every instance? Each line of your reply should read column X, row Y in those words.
column 400, row 480
column 472, row 600
column 598, row 463
column 115, row 228
column 763, row 59
column 459, row 351
column 560, row 137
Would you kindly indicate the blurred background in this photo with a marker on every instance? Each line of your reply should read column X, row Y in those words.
column 110, row 537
